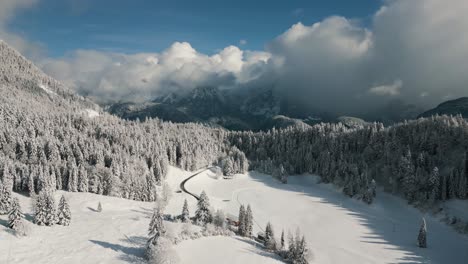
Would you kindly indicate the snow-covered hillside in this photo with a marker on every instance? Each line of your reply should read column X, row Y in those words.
column 338, row 229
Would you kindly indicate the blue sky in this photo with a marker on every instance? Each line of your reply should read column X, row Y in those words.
column 151, row 26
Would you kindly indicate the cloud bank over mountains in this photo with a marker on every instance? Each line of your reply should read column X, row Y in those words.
column 413, row 50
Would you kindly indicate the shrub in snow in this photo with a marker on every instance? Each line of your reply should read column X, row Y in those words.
column 45, row 211
column 203, row 214
column 422, row 236
column 162, row 252
column 219, row 219
column 99, row 207
column 212, row 230
column 64, row 213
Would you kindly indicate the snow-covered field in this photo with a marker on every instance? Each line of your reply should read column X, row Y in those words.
column 338, row 229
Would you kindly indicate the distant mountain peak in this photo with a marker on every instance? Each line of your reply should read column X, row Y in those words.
column 452, row 107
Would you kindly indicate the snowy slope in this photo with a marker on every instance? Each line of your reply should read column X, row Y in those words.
column 224, row 250
column 338, row 229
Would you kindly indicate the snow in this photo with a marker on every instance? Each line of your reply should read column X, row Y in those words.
column 338, row 229
column 47, row 89
column 457, row 208
column 91, row 113
column 224, row 250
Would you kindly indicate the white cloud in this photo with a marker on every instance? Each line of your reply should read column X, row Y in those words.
column 114, row 76
column 8, row 9
column 242, row 42
column 391, row 89
column 331, row 65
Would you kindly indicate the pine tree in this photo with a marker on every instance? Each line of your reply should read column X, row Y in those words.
column 15, row 216
column 291, row 247
column 45, row 211
column 248, row 222
column 282, row 240
column 99, row 208
column 434, row 185
column 407, row 174
column 203, row 214
column 241, row 228
column 185, row 216
column 301, row 252
column 422, row 236
column 270, row 241
column 64, row 213
column 5, row 199
column 156, row 228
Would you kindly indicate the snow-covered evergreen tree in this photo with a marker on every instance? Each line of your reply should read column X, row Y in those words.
column 45, row 211
column 282, row 240
column 156, row 229
column 203, row 213
column 270, row 240
column 64, row 213
column 5, row 199
column 248, row 222
column 185, row 216
column 422, row 235
column 15, row 217
column 241, row 229
column 99, row 207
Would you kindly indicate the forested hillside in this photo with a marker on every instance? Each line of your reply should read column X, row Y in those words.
column 51, row 138
column 423, row 159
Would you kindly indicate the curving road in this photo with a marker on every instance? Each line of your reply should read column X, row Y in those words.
column 182, row 184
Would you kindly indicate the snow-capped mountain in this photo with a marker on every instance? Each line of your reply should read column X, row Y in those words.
column 21, row 80
column 257, row 110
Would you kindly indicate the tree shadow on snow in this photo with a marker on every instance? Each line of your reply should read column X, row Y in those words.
column 398, row 233
column 259, row 249
column 130, row 254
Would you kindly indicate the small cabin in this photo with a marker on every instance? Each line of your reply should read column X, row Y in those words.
column 260, row 237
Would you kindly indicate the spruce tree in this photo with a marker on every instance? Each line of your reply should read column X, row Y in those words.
column 15, row 216
column 241, row 228
column 301, row 252
column 270, row 241
column 282, row 240
column 5, row 199
column 185, row 216
column 99, row 208
column 203, row 214
column 64, row 213
column 248, row 222
column 45, row 211
column 156, row 228
column 422, row 236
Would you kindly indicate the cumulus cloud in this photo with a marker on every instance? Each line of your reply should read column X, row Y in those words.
column 391, row 89
column 412, row 50
column 113, row 76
